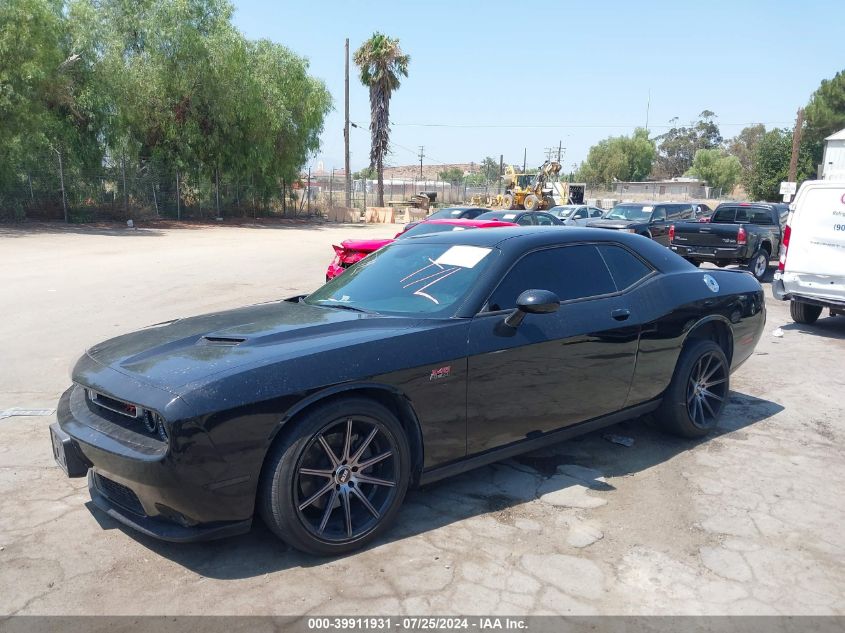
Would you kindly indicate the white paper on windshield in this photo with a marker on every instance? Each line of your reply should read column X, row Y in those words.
column 648, row 209
column 463, row 256
column 509, row 216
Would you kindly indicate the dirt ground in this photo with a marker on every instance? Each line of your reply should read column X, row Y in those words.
column 748, row 521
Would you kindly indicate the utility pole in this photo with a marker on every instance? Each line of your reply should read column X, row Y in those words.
column 422, row 154
column 559, row 148
column 647, row 108
column 796, row 144
column 501, row 170
column 524, row 159
column 549, row 153
column 346, row 133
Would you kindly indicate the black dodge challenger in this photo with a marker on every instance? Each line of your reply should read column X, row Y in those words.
column 432, row 356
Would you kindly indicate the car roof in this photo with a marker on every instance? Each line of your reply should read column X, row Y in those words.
column 474, row 223
column 765, row 205
column 516, row 240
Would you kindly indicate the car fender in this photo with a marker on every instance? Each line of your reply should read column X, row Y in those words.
column 703, row 321
column 407, row 413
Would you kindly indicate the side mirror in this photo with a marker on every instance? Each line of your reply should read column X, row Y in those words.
column 533, row 302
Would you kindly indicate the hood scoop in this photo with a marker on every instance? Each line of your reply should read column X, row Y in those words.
column 224, row 341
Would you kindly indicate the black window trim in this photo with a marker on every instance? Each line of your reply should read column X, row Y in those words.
column 483, row 313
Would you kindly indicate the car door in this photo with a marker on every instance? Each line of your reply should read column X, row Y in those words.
column 546, row 219
column 659, row 225
column 553, row 370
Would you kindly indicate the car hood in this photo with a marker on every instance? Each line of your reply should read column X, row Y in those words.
column 612, row 224
column 191, row 350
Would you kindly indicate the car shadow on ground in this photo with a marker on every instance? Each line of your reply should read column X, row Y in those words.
column 590, row 459
column 829, row 327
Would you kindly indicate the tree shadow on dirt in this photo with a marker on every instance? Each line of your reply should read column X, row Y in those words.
column 156, row 228
column 491, row 489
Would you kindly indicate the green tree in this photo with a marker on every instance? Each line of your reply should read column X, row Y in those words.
column 367, row 173
column 677, row 147
column 625, row 158
column 743, row 146
column 824, row 115
column 382, row 63
column 452, row 175
column 490, row 168
column 770, row 164
column 717, row 167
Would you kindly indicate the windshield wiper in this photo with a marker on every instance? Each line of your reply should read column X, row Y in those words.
column 344, row 306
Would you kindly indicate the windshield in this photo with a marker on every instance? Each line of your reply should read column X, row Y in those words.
column 407, row 278
column 637, row 212
column 445, row 214
column 424, row 228
column 563, row 211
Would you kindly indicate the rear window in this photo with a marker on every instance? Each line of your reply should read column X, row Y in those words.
column 742, row 215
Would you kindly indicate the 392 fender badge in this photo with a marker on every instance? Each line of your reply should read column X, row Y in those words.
column 442, row 372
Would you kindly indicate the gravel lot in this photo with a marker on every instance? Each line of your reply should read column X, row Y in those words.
column 748, row 521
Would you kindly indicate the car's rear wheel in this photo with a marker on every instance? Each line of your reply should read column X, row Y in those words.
column 531, row 202
column 759, row 263
column 698, row 392
column 804, row 312
column 337, row 480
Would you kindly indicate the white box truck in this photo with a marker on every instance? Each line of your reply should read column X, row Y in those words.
column 811, row 270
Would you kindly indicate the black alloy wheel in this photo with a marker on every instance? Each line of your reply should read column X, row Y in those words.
column 336, row 477
column 346, row 479
column 706, row 390
column 698, row 393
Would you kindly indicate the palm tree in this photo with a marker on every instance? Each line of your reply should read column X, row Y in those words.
column 382, row 63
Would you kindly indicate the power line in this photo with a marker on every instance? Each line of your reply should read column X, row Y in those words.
column 568, row 125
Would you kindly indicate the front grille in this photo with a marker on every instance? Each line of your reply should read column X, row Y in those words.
column 119, row 494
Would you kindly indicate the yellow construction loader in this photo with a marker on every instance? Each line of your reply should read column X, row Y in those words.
column 529, row 191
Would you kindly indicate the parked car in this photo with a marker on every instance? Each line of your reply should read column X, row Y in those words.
column 702, row 212
column 452, row 213
column 576, row 214
column 747, row 233
column 445, row 352
column 353, row 251
column 650, row 219
column 811, row 269
column 523, row 218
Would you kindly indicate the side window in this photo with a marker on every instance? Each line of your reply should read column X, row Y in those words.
column 571, row 272
column 659, row 214
column 626, row 268
column 723, row 216
column 673, row 212
column 526, row 220
column 543, row 219
column 596, row 213
column 580, row 214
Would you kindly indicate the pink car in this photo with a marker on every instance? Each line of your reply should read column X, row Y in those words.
column 352, row 251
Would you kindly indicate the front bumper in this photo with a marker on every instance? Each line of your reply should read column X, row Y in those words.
column 162, row 530
column 183, row 492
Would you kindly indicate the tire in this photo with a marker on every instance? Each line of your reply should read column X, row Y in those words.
column 313, row 493
column 804, row 312
column 531, row 202
column 548, row 203
column 758, row 264
column 698, row 392
column 507, row 201
column 694, row 262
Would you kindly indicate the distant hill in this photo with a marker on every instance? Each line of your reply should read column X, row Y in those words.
column 409, row 172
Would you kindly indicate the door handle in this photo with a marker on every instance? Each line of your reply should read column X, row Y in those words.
column 621, row 314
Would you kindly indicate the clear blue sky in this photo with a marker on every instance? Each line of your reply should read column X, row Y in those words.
column 575, row 71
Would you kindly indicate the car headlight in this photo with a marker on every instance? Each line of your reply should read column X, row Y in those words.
column 629, row 230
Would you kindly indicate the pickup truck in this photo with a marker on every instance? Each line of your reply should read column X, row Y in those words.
column 747, row 233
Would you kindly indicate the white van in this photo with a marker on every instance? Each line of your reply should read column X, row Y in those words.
column 811, row 271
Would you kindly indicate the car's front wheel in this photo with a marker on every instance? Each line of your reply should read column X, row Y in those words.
column 337, row 479
column 698, row 392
